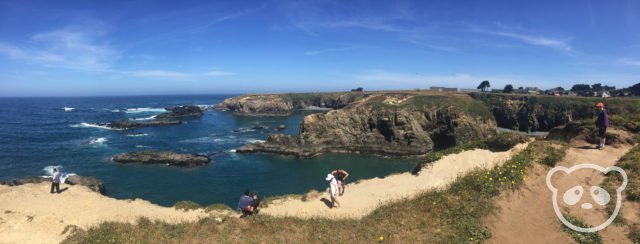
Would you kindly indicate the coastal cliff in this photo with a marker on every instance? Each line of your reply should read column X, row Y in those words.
column 389, row 124
column 286, row 104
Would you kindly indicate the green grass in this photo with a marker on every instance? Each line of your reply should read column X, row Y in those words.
column 553, row 156
column 453, row 215
column 217, row 207
column 580, row 237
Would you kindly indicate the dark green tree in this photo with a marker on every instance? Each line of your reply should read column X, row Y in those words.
column 635, row 89
column 580, row 88
column 559, row 89
column 596, row 87
column 484, row 85
column 508, row 89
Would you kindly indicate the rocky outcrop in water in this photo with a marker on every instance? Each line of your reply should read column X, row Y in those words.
column 129, row 124
column 386, row 125
column 163, row 157
column 90, row 182
column 285, row 104
column 181, row 112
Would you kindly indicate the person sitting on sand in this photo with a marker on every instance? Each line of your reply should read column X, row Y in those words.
column 333, row 190
column 602, row 122
column 244, row 205
column 255, row 203
column 55, row 181
column 341, row 175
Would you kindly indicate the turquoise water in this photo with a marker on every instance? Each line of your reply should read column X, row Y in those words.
column 38, row 132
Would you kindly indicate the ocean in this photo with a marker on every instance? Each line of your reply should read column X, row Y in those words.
column 37, row 133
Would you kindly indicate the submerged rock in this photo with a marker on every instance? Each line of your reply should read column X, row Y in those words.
column 281, row 127
column 163, row 157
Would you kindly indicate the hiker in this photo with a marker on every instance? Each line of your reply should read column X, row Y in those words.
column 341, row 175
column 333, row 190
column 602, row 122
column 55, row 181
column 244, row 205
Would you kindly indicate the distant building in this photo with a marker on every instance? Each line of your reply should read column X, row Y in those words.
column 570, row 94
column 443, row 89
column 603, row 94
column 359, row 89
column 466, row 90
column 532, row 90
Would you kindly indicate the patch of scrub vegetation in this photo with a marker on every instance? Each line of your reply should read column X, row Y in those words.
column 631, row 166
column 634, row 234
column 554, row 155
column 498, row 143
column 186, row 205
column 581, row 237
column 429, row 101
column 452, row 215
column 217, row 207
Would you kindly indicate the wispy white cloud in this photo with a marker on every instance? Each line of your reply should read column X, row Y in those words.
column 217, row 73
column 69, row 48
column 628, row 61
column 529, row 39
column 380, row 24
column 327, row 50
column 161, row 74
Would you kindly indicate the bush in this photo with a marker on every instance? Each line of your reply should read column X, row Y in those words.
column 505, row 141
column 217, row 207
column 186, row 205
column 581, row 237
column 553, row 156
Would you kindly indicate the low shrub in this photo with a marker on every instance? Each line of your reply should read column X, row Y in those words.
column 581, row 237
column 186, row 205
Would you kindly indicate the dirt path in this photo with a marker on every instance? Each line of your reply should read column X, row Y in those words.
column 30, row 214
column 527, row 215
column 363, row 197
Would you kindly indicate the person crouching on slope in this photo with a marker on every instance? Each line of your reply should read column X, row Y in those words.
column 602, row 122
column 333, row 190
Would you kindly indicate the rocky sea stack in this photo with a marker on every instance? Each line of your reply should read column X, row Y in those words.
column 389, row 124
column 163, row 157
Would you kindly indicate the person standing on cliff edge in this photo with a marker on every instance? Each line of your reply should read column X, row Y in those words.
column 602, row 122
column 341, row 175
column 55, row 181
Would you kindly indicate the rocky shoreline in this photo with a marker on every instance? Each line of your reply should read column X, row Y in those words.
column 174, row 116
column 90, row 182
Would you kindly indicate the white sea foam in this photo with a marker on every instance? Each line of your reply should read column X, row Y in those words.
column 144, row 110
column 146, row 118
column 255, row 141
column 116, row 110
column 100, row 140
column 49, row 172
column 142, row 146
column 68, row 109
column 137, row 135
column 90, row 125
column 204, row 107
column 232, row 151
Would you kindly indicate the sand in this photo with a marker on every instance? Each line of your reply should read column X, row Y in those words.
column 361, row 198
column 30, row 214
column 527, row 215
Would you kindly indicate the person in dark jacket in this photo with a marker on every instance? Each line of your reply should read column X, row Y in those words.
column 602, row 122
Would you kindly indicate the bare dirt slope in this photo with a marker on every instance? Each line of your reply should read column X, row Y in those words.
column 30, row 214
column 363, row 197
column 527, row 215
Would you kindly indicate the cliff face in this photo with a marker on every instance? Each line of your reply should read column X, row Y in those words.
column 400, row 125
column 530, row 113
column 285, row 104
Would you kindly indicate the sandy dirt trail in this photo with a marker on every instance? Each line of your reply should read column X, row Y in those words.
column 361, row 198
column 30, row 214
column 527, row 215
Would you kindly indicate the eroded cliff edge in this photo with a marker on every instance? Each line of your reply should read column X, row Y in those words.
column 387, row 124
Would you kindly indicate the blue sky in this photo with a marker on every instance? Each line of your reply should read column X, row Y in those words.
column 60, row 48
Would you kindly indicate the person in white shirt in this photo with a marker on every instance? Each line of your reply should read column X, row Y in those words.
column 333, row 190
column 55, row 183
